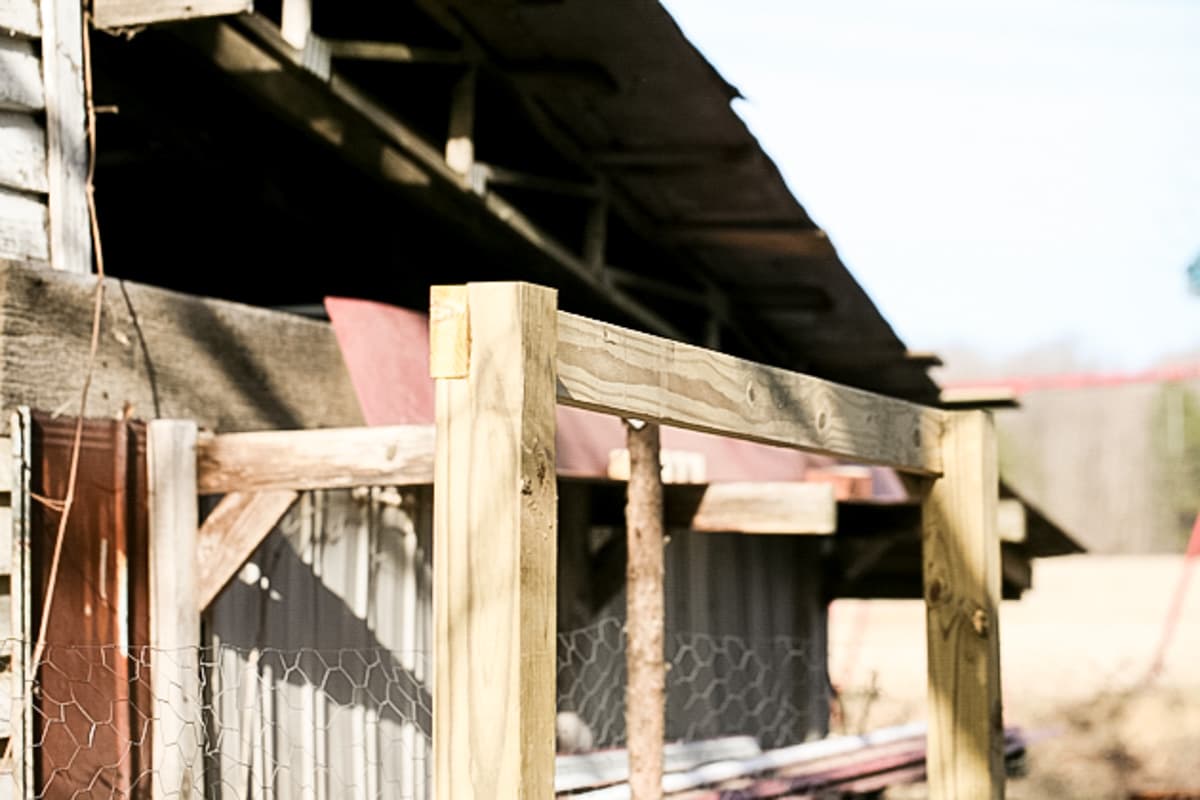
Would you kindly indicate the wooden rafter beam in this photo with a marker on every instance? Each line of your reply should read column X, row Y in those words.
column 394, row 52
column 783, row 238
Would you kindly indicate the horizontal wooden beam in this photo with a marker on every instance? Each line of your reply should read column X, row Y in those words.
column 132, row 13
column 20, row 76
column 490, row 174
column 329, row 458
column 618, row 371
column 23, row 221
column 23, row 145
column 230, row 535
column 777, row 507
column 394, row 52
column 227, row 366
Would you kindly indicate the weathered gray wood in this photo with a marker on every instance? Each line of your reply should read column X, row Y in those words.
column 129, row 13
column 228, row 366
column 66, row 136
column 174, row 612
column 20, row 18
column 618, row 371
column 22, row 152
column 23, row 234
column 399, row 455
column 20, row 76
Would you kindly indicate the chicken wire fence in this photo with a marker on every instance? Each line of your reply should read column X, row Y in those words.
column 306, row 723
column 773, row 688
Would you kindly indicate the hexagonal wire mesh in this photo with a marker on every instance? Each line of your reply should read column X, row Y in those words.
column 716, row 685
column 272, row 723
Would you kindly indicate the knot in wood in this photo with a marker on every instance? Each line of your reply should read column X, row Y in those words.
column 979, row 622
column 934, row 591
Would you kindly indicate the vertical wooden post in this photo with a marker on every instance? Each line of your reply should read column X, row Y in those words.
column 460, row 143
column 66, row 135
column 961, row 558
column 495, row 541
column 645, row 697
column 174, row 611
column 295, row 22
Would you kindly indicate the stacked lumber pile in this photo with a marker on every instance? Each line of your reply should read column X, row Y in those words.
column 736, row 768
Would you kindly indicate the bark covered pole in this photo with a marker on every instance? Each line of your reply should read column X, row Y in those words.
column 644, row 698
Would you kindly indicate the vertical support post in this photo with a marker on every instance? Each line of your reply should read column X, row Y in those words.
column 961, row 559
column 295, row 22
column 645, row 697
column 495, row 541
column 174, row 611
column 595, row 231
column 66, row 135
column 460, row 141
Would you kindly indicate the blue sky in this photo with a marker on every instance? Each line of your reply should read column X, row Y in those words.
column 998, row 175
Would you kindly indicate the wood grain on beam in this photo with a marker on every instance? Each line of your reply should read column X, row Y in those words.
column 778, row 507
column 495, row 551
column 231, row 533
column 789, row 239
column 617, row 371
column 133, row 13
column 163, row 354
column 331, row 458
column 395, row 52
column 174, row 614
column 961, row 572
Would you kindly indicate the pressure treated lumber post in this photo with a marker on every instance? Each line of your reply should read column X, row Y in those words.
column 493, row 353
column 174, row 612
column 644, row 697
column 961, row 558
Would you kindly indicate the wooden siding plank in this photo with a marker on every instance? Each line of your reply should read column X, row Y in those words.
column 20, row 76
column 174, row 614
column 225, row 365
column 615, row 370
column 400, row 455
column 66, row 136
column 130, row 13
column 787, row 508
column 20, row 18
column 495, row 554
column 23, row 234
column 22, row 152
column 231, row 533
column 961, row 560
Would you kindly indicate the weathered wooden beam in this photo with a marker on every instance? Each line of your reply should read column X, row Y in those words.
column 491, row 174
column 20, row 18
column 329, row 458
column 22, row 152
column 66, row 136
column 231, row 533
column 614, row 370
column 394, row 52
column 962, row 564
column 111, row 14
column 174, row 613
column 495, row 553
column 370, row 136
column 776, row 507
column 228, row 366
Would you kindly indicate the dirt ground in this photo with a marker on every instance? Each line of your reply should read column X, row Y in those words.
column 1075, row 655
